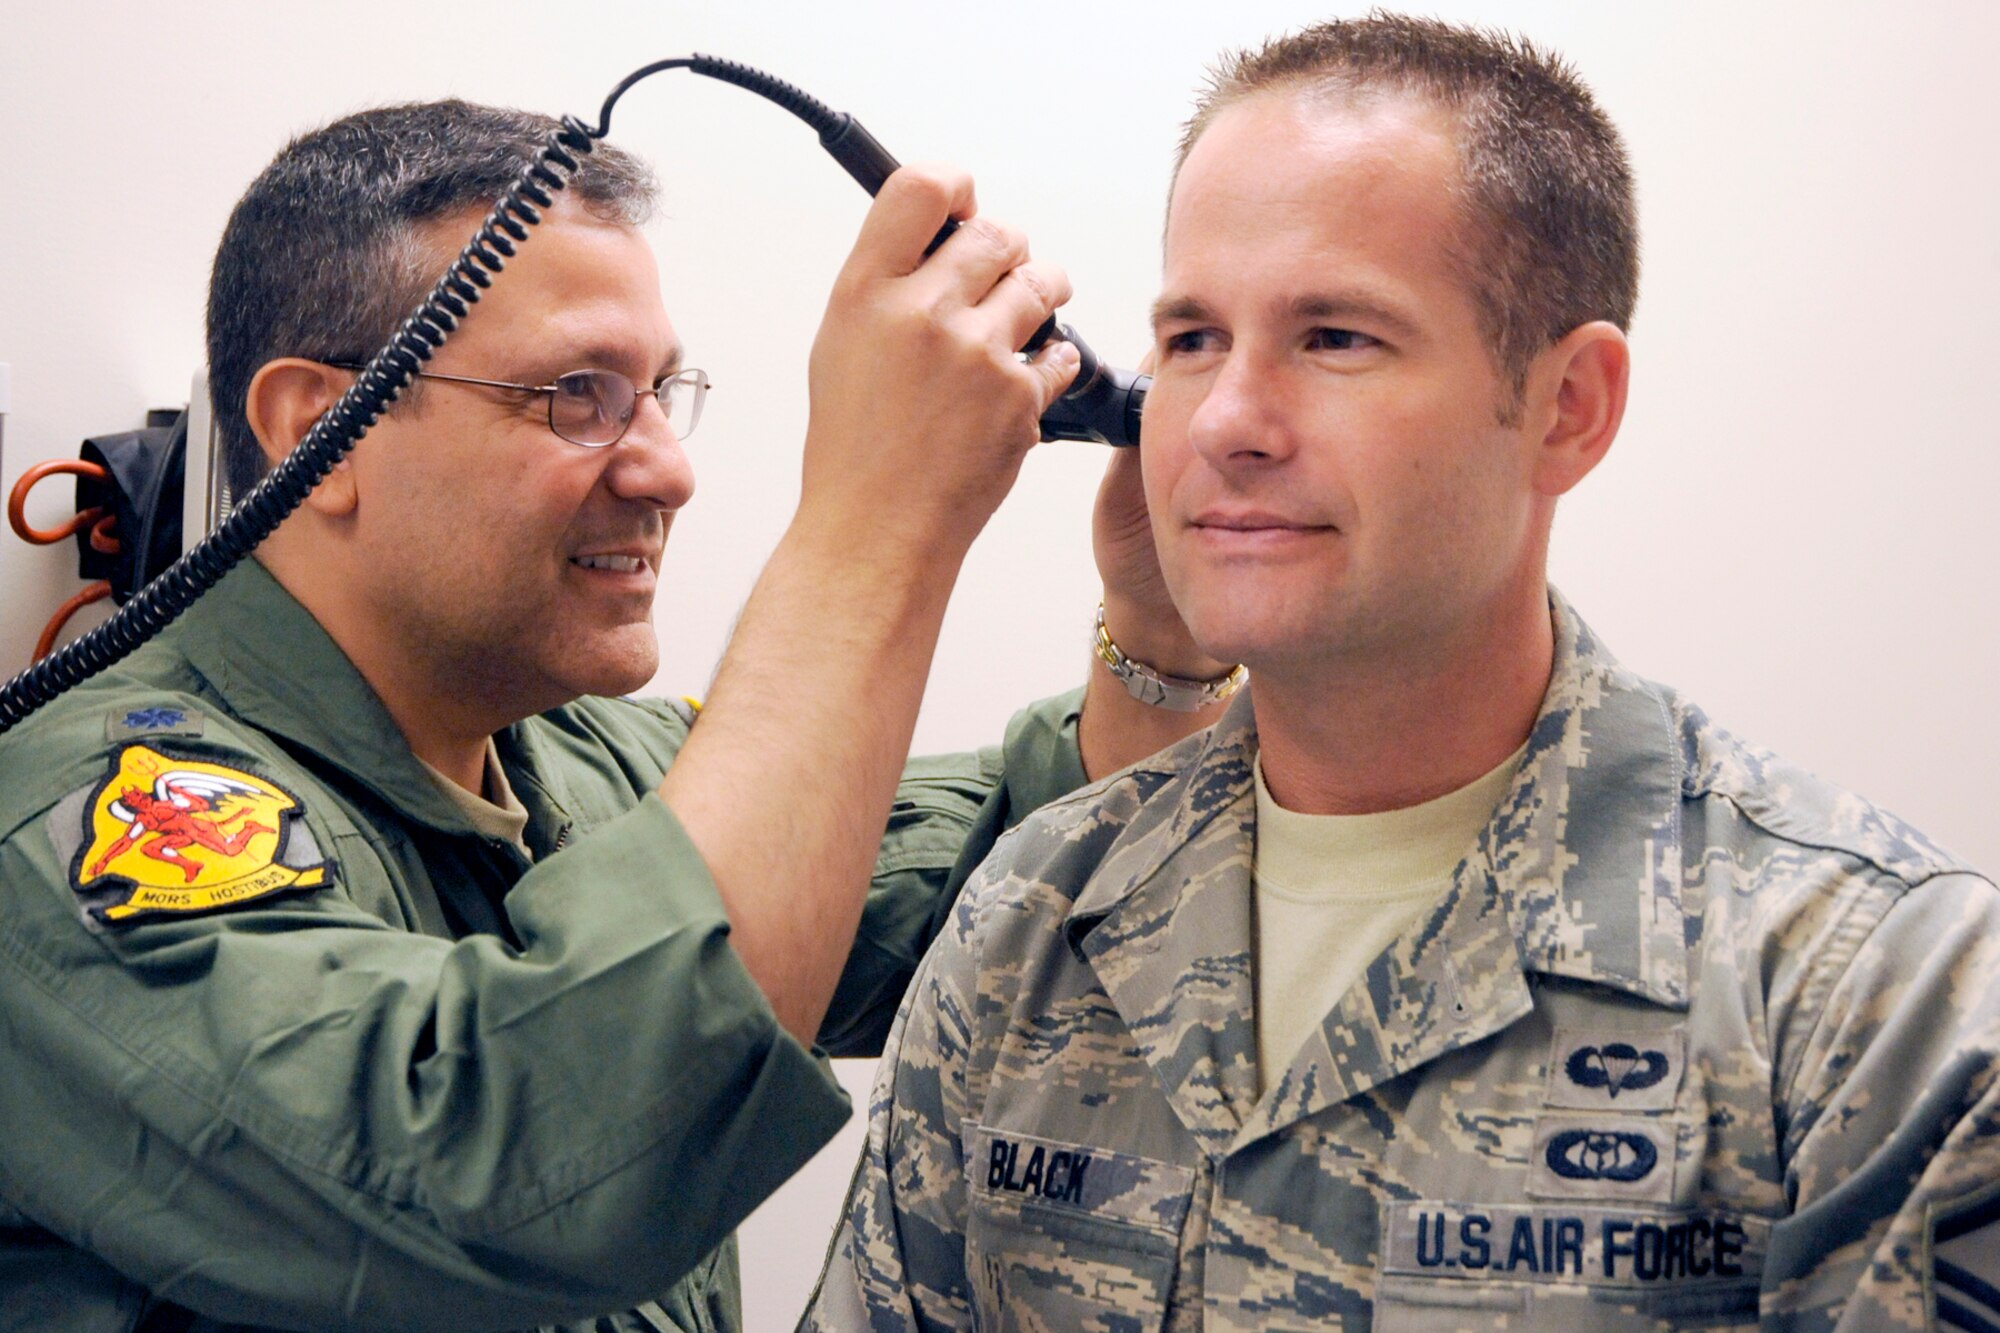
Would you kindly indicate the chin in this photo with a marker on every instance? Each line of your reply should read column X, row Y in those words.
column 1230, row 626
column 1253, row 614
column 613, row 664
column 625, row 677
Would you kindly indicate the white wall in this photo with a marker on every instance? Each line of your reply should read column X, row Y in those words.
column 1796, row 525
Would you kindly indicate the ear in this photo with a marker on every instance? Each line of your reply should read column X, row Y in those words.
column 286, row 397
column 1585, row 377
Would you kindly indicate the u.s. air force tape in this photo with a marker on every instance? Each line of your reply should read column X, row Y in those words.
column 1591, row 1246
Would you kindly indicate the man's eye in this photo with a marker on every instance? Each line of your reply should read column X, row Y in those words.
column 1188, row 343
column 581, row 387
column 1338, row 340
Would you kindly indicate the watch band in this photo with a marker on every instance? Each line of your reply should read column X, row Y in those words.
column 1161, row 691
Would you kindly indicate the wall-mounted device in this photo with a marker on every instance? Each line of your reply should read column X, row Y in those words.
column 127, row 522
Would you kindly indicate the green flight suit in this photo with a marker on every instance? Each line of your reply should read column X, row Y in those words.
column 400, row 1076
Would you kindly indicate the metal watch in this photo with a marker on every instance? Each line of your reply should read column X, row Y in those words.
column 1161, row 691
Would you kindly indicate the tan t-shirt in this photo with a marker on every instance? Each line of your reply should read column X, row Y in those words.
column 1333, row 891
column 499, row 814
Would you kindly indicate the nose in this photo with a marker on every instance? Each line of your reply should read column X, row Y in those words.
column 647, row 463
column 1242, row 418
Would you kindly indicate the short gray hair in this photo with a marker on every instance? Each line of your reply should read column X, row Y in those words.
column 323, row 257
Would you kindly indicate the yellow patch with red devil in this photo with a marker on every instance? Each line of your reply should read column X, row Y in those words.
column 166, row 835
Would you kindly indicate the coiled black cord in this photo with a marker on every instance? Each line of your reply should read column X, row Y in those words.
column 381, row 381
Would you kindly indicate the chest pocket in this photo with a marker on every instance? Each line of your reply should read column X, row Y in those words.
column 1068, row 1236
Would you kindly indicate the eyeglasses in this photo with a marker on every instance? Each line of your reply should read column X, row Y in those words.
column 594, row 408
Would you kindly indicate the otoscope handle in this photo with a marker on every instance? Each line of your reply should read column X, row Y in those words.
column 1102, row 404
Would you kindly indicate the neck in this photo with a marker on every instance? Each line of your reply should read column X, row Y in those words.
column 1361, row 737
column 454, row 747
column 446, row 714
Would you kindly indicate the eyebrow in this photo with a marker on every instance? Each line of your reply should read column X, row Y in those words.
column 1351, row 304
column 604, row 356
column 1181, row 310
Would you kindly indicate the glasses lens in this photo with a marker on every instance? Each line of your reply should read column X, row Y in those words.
column 591, row 406
column 681, row 397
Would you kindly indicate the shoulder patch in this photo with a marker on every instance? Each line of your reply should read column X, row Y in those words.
column 164, row 835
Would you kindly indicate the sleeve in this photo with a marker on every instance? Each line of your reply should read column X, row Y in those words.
column 897, row 1264
column 948, row 813
column 1891, row 1128
column 296, row 1115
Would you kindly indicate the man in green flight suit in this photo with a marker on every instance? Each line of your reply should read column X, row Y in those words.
column 363, row 962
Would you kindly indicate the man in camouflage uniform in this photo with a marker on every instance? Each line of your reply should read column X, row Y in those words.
column 1685, row 1038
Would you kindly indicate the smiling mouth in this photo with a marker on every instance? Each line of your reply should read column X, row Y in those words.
column 617, row 564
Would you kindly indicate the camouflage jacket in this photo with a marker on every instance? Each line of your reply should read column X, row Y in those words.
column 1694, row 1041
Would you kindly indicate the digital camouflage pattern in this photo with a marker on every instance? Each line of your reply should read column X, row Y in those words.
column 1694, row 1041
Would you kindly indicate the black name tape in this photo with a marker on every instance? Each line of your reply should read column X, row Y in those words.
column 1022, row 1169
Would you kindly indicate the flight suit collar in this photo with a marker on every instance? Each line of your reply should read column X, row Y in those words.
column 276, row 668
column 1576, row 875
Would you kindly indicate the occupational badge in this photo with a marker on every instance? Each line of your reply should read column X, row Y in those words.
column 168, row 836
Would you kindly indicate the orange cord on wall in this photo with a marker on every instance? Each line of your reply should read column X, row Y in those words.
column 103, row 539
column 96, row 592
column 17, row 503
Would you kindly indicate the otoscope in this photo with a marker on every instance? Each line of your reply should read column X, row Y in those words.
column 1103, row 404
